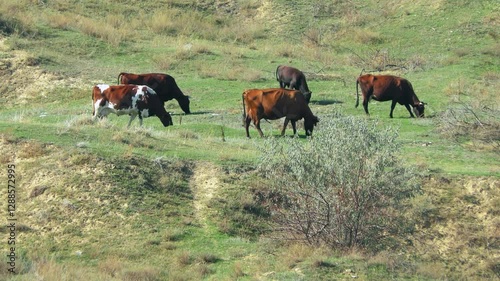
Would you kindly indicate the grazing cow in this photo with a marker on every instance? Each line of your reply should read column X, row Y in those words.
column 163, row 84
column 291, row 77
column 388, row 87
column 273, row 104
column 128, row 99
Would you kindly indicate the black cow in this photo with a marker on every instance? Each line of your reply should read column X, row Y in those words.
column 291, row 77
column 163, row 84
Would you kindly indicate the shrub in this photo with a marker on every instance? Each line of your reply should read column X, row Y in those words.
column 345, row 187
column 467, row 123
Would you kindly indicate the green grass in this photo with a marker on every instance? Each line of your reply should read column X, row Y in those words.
column 139, row 224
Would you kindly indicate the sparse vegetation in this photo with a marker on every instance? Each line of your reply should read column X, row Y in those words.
column 336, row 191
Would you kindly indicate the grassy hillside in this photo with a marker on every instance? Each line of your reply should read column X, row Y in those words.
column 96, row 199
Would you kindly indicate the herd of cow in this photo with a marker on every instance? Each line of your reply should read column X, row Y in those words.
column 144, row 95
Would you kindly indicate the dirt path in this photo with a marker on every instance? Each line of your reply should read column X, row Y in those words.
column 204, row 184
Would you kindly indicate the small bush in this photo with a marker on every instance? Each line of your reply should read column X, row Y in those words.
column 345, row 187
column 469, row 123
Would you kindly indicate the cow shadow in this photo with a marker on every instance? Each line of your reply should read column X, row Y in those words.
column 279, row 136
column 326, row 102
column 192, row 113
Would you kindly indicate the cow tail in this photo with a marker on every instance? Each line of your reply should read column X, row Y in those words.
column 357, row 93
column 120, row 76
column 244, row 111
column 276, row 73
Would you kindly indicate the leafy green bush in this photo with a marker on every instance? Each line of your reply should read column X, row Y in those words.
column 344, row 187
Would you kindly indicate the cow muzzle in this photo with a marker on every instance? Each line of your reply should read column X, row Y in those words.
column 167, row 121
column 419, row 110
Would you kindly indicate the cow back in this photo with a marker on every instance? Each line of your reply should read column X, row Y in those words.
column 276, row 103
column 163, row 84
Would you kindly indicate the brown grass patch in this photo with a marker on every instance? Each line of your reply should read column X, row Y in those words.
column 162, row 22
column 463, row 236
column 112, row 266
column 462, row 52
column 366, row 36
column 493, row 50
column 184, row 259
column 208, row 258
column 237, row 271
column 100, row 30
column 60, row 20
column 142, row 274
column 434, row 270
column 295, row 254
column 31, row 149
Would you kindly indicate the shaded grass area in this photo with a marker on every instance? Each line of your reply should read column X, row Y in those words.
column 132, row 218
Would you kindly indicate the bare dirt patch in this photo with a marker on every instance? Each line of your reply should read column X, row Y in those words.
column 204, row 184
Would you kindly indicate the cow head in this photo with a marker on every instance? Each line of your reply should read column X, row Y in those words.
column 309, row 124
column 151, row 102
column 157, row 108
column 419, row 109
column 166, row 119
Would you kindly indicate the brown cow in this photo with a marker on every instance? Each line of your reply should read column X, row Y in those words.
column 128, row 99
column 273, row 104
column 291, row 77
column 388, row 87
column 163, row 84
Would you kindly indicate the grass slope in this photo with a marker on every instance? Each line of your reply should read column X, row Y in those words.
column 109, row 203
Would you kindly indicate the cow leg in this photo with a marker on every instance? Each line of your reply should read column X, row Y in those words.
column 247, row 124
column 365, row 105
column 284, row 126
column 96, row 114
column 393, row 105
column 409, row 110
column 132, row 117
column 257, row 125
column 102, row 112
column 294, row 127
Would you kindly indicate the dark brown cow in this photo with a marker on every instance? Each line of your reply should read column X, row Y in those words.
column 163, row 84
column 273, row 104
column 128, row 99
column 291, row 77
column 388, row 87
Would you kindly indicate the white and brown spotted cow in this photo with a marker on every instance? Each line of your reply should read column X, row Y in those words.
column 134, row 100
